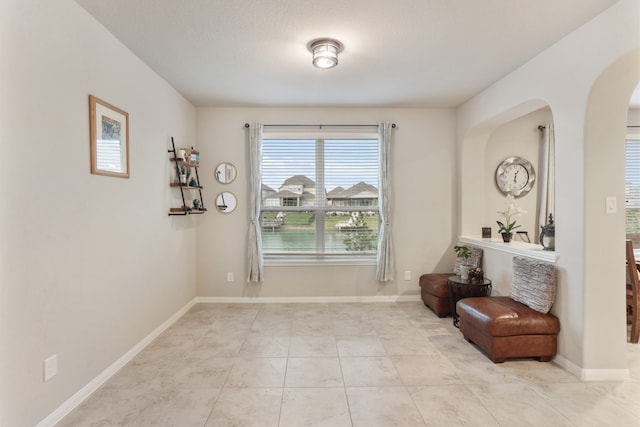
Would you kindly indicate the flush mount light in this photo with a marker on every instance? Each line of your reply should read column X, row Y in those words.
column 325, row 52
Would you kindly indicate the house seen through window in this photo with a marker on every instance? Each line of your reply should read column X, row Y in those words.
column 320, row 197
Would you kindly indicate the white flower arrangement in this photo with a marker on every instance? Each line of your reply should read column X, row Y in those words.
column 512, row 210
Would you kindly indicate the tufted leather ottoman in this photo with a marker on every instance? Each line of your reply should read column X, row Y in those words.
column 504, row 328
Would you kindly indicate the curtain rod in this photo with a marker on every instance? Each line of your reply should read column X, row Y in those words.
column 393, row 125
column 544, row 126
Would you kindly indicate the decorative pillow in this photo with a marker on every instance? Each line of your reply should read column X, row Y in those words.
column 475, row 260
column 534, row 284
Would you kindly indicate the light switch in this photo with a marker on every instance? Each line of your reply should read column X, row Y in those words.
column 50, row 367
column 612, row 204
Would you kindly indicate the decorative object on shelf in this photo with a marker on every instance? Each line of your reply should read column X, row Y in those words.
column 523, row 236
column 515, row 176
column 512, row 209
column 184, row 168
column 464, row 253
column 192, row 156
column 225, row 173
column 548, row 235
column 226, row 202
column 486, row 232
column 184, row 172
column 109, row 134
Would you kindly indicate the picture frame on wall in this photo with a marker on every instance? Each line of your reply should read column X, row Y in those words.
column 109, row 135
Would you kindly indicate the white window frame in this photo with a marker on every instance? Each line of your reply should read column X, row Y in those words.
column 321, row 207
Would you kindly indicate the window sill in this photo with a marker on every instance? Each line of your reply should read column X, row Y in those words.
column 312, row 261
column 529, row 250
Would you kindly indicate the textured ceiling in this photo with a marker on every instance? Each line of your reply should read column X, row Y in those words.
column 396, row 52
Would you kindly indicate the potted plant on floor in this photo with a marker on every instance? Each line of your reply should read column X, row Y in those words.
column 463, row 252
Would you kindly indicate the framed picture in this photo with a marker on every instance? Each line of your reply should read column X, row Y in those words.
column 109, row 129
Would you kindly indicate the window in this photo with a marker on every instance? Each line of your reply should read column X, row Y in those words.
column 320, row 195
column 632, row 185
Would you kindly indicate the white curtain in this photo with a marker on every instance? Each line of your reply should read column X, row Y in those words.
column 385, row 268
column 254, row 243
column 546, row 178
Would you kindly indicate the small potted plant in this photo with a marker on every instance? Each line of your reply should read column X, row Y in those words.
column 185, row 172
column 463, row 252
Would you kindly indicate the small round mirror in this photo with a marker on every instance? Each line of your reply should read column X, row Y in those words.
column 225, row 173
column 226, row 202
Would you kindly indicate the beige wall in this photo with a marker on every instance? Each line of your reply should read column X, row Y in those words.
column 89, row 265
column 423, row 158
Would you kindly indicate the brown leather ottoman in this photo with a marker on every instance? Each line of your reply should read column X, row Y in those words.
column 434, row 290
column 504, row 328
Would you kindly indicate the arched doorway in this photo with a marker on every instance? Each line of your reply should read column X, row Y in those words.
column 604, row 334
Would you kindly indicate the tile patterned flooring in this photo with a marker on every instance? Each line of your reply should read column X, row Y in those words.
column 343, row 364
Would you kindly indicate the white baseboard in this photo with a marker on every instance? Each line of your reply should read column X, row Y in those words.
column 592, row 374
column 567, row 365
column 81, row 395
column 605, row 375
column 267, row 300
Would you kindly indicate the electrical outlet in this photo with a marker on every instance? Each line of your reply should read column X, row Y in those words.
column 50, row 367
column 407, row 275
column 230, row 276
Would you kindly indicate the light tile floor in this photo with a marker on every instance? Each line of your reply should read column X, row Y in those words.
column 377, row 364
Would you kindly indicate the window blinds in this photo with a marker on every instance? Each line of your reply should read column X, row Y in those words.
column 320, row 196
column 632, row 184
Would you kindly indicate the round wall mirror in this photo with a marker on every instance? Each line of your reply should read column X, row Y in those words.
column 226, row 202
column 225, row 172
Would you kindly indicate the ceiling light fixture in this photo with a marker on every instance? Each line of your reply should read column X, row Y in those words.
column 325, row 52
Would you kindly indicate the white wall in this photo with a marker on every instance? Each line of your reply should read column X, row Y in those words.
column 423, row 157
column 605, row 135
column 89, row 265
column 592, row 335
column 519, row 137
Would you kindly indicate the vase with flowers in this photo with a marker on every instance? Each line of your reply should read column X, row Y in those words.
column 507, row 226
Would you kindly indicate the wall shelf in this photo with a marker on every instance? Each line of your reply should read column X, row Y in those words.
column 529, row 250
column 186, row 186
column 181, row 163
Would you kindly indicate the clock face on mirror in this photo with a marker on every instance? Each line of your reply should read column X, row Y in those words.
column 515, row 176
